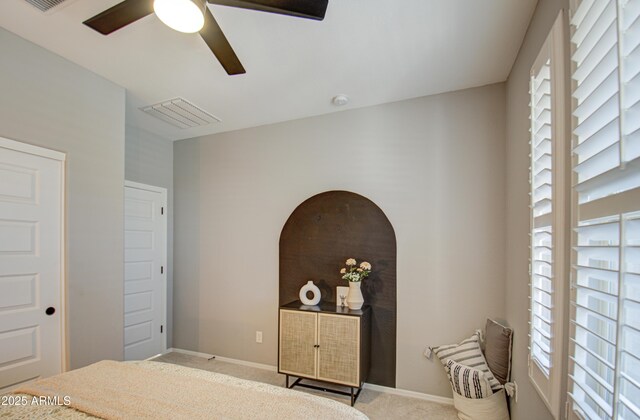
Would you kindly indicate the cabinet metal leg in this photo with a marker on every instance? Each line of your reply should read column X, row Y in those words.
column 353, row 394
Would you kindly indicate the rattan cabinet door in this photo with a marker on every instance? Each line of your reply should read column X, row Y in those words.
column 339, row 351
column 297, row 354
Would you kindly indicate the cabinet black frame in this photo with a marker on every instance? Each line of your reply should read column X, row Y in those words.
column 297, row 382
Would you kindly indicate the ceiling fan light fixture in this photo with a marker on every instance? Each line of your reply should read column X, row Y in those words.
column 182, row 15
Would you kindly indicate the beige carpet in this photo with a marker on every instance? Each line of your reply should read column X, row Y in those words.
column 374, row 404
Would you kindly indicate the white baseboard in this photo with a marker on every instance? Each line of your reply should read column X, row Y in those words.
column 373, row 387
column 225, row 359
column 406, row 393
column 189, row 352
column 245, row 363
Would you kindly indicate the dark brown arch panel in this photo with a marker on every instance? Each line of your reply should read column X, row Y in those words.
column 318, row 237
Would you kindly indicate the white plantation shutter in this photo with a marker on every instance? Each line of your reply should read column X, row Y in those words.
column 542, row 217
column 607, row 97
column 547, row 213
column 604, row 366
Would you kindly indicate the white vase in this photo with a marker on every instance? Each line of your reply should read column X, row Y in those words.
column 309, row 287
column 355, row 300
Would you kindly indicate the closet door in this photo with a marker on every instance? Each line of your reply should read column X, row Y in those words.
column 145, row 277
column 31, row 307
column 339, row 349
column 298, row 354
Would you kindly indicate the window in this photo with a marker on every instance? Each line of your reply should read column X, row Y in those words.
column 548, row 271
column 604, row 348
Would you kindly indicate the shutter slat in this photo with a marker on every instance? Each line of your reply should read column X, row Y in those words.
column 631, row 32
column 630, row 15
column 594, row 334
column 542, row 192
column 595, row 376
column 634, row 356
column 599, row 234
column 608, row 409
column 586, row 412
column 541, row 344
column 544, row 102
column 583, row 287
column 593, row 354
column 597, row 20
column 602, row 116
column 601, row 70
column 592, row 312
column 584, row 267
column 631, row 76
column 597, row 96
column 599, row 163
column 613, row 181
column 632, row 116
column 603, row 56
column 631, row 406
column 600, row 140
column 541, row 331
column 604, row 28
column 632, row 146
column 632, row 64
column 581, row 11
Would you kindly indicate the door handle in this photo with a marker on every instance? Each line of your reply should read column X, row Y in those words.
column 50, row 310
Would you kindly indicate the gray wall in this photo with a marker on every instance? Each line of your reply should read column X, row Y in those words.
column 149, row 160
column 529, row 405
column 47, row 101
column 434, row 165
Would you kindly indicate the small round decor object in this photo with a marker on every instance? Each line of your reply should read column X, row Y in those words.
column 310, row 287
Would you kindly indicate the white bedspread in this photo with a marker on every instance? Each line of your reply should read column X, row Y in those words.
column 154, row 390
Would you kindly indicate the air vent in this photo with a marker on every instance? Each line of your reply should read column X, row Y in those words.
column 180, row 113
column 45, row 5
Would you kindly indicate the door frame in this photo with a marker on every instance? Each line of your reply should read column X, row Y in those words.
column 61, row 157
column 163, row 194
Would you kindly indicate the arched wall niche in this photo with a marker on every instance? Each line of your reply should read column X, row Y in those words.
column 315, row 242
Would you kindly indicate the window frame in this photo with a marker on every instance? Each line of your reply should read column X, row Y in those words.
column 549, row 385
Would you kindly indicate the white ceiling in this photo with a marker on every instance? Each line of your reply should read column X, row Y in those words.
column 374, row 51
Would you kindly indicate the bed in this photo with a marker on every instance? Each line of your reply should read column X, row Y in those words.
column 155, row 390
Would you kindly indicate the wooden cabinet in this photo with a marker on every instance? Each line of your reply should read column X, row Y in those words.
column 325, row 343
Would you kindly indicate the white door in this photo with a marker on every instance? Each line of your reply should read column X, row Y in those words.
column 31, row 298
column 145, row 232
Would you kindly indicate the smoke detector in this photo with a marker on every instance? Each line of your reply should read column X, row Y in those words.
column 340, row 100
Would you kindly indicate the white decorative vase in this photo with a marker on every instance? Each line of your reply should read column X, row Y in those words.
column 355, row 300
column 309, row 287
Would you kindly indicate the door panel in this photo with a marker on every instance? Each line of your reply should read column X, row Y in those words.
column 144, row 281
column 339, row 351
column 297, row 341
column 30, row 266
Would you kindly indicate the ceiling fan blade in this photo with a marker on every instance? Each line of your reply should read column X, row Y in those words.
column 217, row 42
column 120, row 15
column 309, row 9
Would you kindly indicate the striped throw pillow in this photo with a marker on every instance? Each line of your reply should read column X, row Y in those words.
column 467, row 381
column 468, row 353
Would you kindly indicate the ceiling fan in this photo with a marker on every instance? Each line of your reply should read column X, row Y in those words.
column 195, row 16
